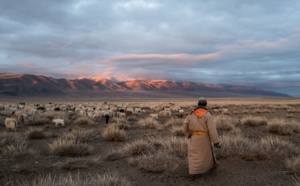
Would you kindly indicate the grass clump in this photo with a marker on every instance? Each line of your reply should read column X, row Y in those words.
column 225, row 122
column 241, row 146
column 62, row 147
column 113, row 133
column 16, row 150
column 281, row 126
column 174, row 122
column 279, row 146
column 82, row 136
column 177, row 131
column 154, row 163
column 254, row 121
column 293, row 164
column 149, row 123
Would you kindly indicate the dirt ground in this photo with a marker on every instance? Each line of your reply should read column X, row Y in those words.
column 231, row 171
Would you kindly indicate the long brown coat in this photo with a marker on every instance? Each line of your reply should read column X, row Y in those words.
column 200, row 153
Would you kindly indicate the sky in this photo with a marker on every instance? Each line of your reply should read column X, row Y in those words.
column 241, row 42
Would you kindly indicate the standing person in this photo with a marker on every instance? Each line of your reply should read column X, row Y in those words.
column 201, row 132
column 106, row 116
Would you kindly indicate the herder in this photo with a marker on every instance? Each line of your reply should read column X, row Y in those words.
column 201, row 132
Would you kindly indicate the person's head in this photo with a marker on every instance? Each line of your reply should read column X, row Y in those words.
column 202, row 102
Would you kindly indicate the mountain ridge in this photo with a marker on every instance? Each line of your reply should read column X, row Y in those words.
column 28, row 85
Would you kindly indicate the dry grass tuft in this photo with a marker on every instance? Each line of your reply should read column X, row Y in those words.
column 7, row 138
column 82, row 136
column 281, row 126
column 293, row 164
column 225, row 122
column 62, row 147
column 177, row 130
column 35, row 133
column 149, row 123
column 113, row 133
column 279, row 146
column 137, row 147
column 154, row 163
column 254, row 121
column 174, row 122
column 99, row 179
column 241, row 146
column 16, row 150
column 172, row 145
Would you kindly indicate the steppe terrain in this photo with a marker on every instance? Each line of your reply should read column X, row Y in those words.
column 260, row 142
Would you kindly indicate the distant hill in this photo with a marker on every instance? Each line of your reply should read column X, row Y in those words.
column 26, row 85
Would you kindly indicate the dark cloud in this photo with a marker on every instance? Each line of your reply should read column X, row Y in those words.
column 256, row 42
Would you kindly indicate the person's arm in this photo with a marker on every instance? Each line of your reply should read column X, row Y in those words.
column 186, row 127
column 212, row 130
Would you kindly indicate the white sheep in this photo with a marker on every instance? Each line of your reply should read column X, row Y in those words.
column 58, row 121
column 11, row 123
column 154, row 116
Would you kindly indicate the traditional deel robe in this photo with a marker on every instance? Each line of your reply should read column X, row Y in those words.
column 200, row 151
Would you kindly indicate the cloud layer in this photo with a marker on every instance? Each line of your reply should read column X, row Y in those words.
column 231, row 41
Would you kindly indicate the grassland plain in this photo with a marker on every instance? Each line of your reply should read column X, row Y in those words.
column 260, row 143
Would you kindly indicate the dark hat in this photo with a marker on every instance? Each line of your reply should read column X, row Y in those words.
column 202, row 101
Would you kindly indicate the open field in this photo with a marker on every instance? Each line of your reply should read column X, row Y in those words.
column 260, row 142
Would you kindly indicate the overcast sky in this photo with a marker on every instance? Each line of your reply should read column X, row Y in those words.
column 248, row 42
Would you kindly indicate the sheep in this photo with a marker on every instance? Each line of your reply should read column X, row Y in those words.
column 154, row 116
column 11, row 123
column 19, row 116
column 58, row 121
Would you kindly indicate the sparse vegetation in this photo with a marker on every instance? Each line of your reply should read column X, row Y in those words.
column 280, row 126
column 62, row 147
column 225, row 122
column 149, row 123
column 114, row 133
column 98, row 179
column 150, row 148
column 254, row 121
column 293, row 164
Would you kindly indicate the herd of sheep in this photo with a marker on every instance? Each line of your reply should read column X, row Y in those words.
column 95, row 111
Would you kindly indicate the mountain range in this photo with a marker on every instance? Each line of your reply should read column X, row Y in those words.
column 27, row 85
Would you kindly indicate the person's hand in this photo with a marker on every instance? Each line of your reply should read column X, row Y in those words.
column 217, row 145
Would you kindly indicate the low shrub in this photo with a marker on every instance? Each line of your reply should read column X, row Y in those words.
column 77, row 163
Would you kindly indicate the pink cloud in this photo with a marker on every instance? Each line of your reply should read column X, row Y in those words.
column 26, row 64
column 175, row 57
